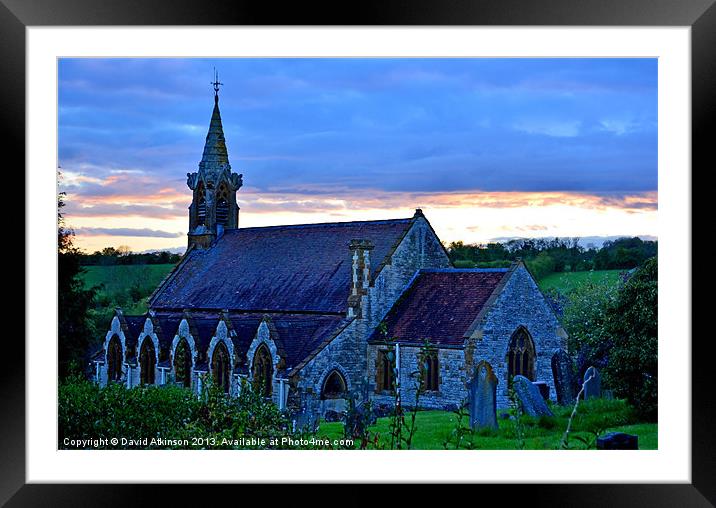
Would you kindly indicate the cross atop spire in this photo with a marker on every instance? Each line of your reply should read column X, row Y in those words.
column 216, row 85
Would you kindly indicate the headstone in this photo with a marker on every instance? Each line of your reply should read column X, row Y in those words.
column 529, row 397
column 333, row 416
column 563, row 377
column 305, row 421
column 618, row 441
column 483, row 397
column 592, row 384
column 381, row 410
column 359, row 418
column 543, row 389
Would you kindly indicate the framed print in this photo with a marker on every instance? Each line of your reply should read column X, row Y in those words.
column 379, row 248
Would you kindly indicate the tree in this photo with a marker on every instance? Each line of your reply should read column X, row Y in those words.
column 584, row 318
column 632, row 324
column 74, row 301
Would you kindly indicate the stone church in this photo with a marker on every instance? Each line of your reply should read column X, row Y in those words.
column 310, row 314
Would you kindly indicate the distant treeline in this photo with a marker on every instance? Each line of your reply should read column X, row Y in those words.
column 123, row 256
column 544, row 256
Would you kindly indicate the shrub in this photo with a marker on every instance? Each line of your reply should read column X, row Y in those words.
column 541, row 266
column 632, row 324
column 584, row 315
column 87, row 411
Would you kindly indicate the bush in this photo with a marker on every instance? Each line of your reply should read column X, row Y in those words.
column 541, row 266
column 632, row 324
column 584, row 316
column 87, row 411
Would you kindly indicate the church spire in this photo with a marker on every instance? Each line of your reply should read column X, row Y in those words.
column 215, row 157
column 214, row 206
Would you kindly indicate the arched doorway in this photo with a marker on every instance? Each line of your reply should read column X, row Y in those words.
column 334, row 386
column 221, row 367
column 262, row 371
column 521, row 355
column 114, row 360
column 147, row 362
column 182, row 363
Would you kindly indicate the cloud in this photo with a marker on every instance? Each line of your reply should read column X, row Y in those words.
column 557, row 129
column 152, row 233
column 330, row 136
column 619, row 127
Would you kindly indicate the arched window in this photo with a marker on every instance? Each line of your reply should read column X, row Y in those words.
column 521, row 355
column 220, row 367
column 262, row 371
column 384, row 379
column 182, row 363
column 334, row 387
column 114, row 360
column 147, row 362
column 430, row 371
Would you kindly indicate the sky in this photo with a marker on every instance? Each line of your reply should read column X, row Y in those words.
column 488, row 148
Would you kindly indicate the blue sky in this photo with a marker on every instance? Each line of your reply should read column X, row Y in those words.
column 343, row 139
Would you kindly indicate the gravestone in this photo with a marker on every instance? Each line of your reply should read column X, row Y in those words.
column 618, row 441
column 333, row 416
column 483, row 399
column 359, row 418
column 563, row 377
column 592, row 384
column 543, row 389
column 305, row 421
column 530, row 398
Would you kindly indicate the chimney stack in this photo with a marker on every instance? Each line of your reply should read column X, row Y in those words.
column 360, row 279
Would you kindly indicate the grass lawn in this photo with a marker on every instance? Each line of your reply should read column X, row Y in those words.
column 565, row 281
column 435, row 428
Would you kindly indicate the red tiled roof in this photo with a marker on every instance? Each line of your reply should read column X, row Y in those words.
column 440, row 305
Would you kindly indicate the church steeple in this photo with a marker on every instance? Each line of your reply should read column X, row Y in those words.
column 214, row 206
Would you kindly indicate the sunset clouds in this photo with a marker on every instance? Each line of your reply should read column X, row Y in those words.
column 488, row 148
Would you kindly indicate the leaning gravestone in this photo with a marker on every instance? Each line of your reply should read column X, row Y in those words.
column 530, row 398
column 563, row 377
column 592, row 384
column 483, row 398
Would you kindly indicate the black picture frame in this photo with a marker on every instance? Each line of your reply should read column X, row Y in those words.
column 16, row 15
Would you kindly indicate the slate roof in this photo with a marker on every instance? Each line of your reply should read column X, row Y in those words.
column 300, row 334
column 278, row 268
column 296, row 335
column 134, row 326
column 440, row 305
column 169, row 324
column 215, row 154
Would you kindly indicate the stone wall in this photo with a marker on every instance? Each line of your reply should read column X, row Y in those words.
column 420, row 248
column 452, row 379
column 520, row 303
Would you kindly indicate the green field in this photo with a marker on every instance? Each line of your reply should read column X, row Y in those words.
column 116, row 278
column 126, row 286
column 436, row 428
column 565, row 281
